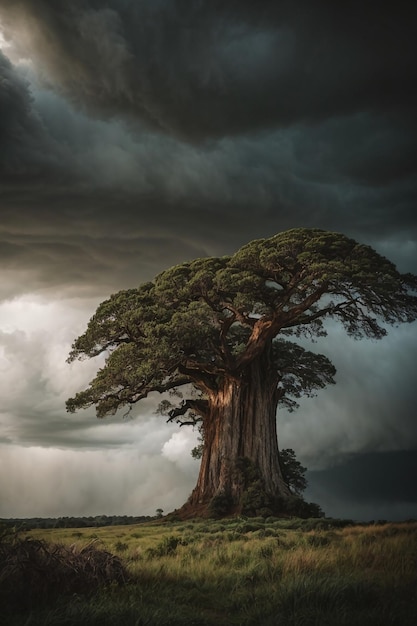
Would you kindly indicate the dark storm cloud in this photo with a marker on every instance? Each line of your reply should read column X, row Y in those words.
column 210, row 69
column 74, row 262
column 368, row 486
column 371, row 407
column 124, row 207
column 376, row 476
column 306, row 114
column 27, row 152
column 372, row 150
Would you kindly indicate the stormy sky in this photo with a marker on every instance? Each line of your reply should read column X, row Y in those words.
column 135, row 135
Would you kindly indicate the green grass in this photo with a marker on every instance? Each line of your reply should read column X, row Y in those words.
column 244, row 572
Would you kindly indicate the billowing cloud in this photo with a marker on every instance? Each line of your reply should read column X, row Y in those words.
column 28, row 152
column 178, row 449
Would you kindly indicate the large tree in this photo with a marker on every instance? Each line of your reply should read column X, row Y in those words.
column 213, row 336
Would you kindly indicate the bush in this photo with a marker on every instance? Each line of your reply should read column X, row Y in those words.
column 220, row 505
column 166, row 547
column 297, row 507
column 33, row 572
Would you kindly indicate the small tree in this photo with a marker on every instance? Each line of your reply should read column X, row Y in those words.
column 213, row 335
column 292, row 471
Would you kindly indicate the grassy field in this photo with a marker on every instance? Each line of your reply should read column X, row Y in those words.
column 240, row 571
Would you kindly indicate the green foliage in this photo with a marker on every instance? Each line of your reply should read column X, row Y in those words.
column 220, row 505
column 199, row 320
column 166, row 547
column 257, row 502
column 197, row 451
column 300, row 372
column 292, row 471
column 297, row 507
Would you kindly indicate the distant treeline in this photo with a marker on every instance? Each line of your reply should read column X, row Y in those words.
column 75, row 522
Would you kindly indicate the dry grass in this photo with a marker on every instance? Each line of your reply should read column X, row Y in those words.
column 33, row 572
column 243, row 572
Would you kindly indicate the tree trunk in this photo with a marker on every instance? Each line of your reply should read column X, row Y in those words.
column 240, row 460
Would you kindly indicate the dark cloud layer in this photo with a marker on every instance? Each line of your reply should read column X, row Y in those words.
column 368, row 486
column 136, row 135
column 27, row 151
column 259, row 117
column 211, row 69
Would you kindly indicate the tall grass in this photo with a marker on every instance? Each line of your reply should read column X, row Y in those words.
column 246, row 572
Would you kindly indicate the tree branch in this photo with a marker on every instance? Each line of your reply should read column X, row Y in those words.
column 198, row 406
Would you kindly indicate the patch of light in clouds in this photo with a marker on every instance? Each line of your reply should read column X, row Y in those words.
column 33, row 313
column 35, row 339
column 4, row 44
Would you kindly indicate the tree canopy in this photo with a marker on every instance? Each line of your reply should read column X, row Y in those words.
column 201, row 320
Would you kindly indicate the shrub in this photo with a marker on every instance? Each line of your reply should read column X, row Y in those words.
column 165, row 548
column 33, row 572
column 220, row 505
column 297, row 507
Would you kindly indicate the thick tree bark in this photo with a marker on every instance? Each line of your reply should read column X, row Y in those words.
column 240, row 428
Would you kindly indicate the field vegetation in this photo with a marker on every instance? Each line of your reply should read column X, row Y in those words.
column 233, row 571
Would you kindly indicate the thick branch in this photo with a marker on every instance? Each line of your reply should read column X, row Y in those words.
column 261, row 333
column 203, row 380
column 266, row 328
column 197, row 406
